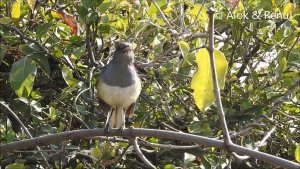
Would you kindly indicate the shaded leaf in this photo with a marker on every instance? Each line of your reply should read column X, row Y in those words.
column 42, row 61
column 43, row 29
column 76, row 54
column 22, row 76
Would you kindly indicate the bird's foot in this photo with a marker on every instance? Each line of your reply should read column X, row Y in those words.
column 106, row 130
column 121, row 130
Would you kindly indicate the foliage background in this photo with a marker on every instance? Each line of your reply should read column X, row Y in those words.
column 46, row 70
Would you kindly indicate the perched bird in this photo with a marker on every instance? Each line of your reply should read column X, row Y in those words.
column 119, row 86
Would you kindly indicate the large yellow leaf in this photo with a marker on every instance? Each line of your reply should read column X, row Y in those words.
column 202, row 83
column 297, row 153
column 15, row 10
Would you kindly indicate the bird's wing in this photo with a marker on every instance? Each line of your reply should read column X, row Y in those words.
column 103, row 105
column 130, row 110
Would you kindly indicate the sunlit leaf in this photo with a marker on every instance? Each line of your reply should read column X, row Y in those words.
column 184, row 48
column 69, row 20
column 22, row 76
column 202, row 83
column 96, row 153
column 287, row 8
column 297, row 153
column 15, row 10
column 67, row 75
column 169, row 166
column 31, row 4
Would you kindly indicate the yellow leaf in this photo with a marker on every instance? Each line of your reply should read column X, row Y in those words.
column 15, row 10
column 31, row 4
column 287, row 8
column 202, row 82
column 184, row 48
column 297, row 153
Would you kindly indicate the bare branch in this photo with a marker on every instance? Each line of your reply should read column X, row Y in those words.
column 139, row 153
column 210, row 49
column 184, row 137
column 2, row 103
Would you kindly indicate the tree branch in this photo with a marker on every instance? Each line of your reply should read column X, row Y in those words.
column 139, row 153
column 210, row 49
column 184, row 137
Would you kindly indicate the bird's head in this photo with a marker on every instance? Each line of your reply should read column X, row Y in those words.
column 123, row 53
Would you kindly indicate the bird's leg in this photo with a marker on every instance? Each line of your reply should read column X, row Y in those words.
column 106, row 129
column 123, row 121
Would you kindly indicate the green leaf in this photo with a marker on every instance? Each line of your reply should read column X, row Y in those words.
column 57, row 53
column 22, row 76
column 15, row 10
column 96, row 153
column 282, row 63
column 10, row 136
column 76, row 54
column 104, row 7
column 67, row 75
column 169, row 166
column 42, row 61
column 153, row 10
column 53, row 113
column 104, row 28
column 202, row 83
column 89, row 3
column 184, row 48
column 297, row 153
column 42, row 29
column 15, row 166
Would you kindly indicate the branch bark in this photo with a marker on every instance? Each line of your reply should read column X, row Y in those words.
column 184, row 137
column 210, row 49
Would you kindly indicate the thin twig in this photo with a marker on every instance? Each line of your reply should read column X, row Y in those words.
column 88, row 45
column 181, row 17
column 210, row 49
column 265, row 138
column 139, row 153
column 26, row 131
column 161, row 13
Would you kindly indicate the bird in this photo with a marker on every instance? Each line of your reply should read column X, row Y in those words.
column 118, row 86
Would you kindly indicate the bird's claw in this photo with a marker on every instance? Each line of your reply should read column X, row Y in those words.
column 106, row 130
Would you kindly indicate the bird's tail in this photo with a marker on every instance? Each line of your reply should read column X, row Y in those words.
column 116, row 118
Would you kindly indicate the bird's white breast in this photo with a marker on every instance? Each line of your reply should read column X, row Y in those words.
column 119, row 96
